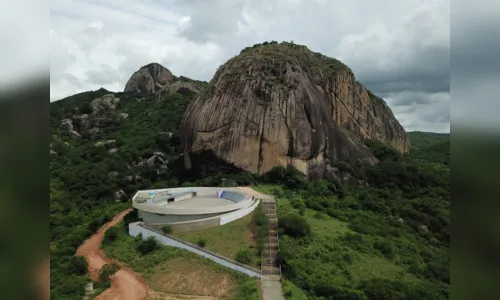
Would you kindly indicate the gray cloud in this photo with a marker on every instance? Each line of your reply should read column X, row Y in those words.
column 105, row 75
column 400, row 50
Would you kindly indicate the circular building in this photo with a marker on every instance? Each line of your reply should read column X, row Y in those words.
column 192, row 208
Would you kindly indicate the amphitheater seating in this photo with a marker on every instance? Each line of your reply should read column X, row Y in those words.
column 235, row 197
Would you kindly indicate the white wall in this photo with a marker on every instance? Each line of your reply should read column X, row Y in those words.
column 134, row 229
column 237, row 214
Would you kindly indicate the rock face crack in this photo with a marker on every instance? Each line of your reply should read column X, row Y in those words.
column 261, row 142
column 211, row 131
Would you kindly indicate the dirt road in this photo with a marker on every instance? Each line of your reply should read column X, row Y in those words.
column 125, row 284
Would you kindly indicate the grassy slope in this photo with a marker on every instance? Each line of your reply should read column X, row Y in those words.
column 345, row 261
column 174, row 270
column 227, row 239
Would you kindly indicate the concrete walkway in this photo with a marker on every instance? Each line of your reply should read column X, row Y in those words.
column 270, row 269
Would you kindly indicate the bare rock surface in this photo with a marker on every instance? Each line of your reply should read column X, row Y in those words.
column 284, row 105
column 149, row 79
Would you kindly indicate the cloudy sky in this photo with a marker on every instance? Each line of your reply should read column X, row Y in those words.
column 398, row 49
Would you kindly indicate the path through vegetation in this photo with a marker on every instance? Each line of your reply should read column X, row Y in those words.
column 125, row 284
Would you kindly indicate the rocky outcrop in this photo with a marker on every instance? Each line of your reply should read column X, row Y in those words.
column 284, row 105
column 106, row 102
column 155, row 78
column 149, row 79
column 182, row 87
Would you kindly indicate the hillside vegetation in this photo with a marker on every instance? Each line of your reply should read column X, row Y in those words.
column 373, row 232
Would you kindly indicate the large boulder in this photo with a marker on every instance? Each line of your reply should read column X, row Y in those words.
column 104, row 103
column 284, row 105
column 149, row 79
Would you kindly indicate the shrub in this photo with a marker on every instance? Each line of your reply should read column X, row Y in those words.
column 382, row 289
column 146, row 246
column 167, row 228
column 78, row 265
column 107, row 271
column 347, row 257
column 294, row 226
column 201, row 242
column 244, row 256
column 110, row 234
column 385, row 248
column 415, row 268
column 85, row 108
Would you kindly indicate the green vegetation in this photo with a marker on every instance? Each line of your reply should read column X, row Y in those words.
column 107, row 271
column 202, row 242
column 388, row 235
column 226, row 240
column 433, row 147
column 294, row 225
column 178, row 265
column 84, row 178
column 245, row 256
column 145, row 246
column 385, row 238
column 167, row 228
column 260, row 227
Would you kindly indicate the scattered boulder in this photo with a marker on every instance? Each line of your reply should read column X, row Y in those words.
column 160, row 154
column 112, row 174
column 163, row 169
column 113, row 150
column 423, row 228
column 52, row 152
column 133, row 179
column 67, row 124
column 155, row 159
column 106, row 144
column 122, row 116
column 75, row 134
column 120, row 195
column 83, row 122
column 106, row 102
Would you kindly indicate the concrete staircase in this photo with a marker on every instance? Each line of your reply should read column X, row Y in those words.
column 269, row 263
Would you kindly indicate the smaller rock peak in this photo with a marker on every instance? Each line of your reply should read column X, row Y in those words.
column 149, row 79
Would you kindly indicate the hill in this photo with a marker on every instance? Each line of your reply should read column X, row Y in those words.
column 430, row 146
column 107, row 145
column 284, row 105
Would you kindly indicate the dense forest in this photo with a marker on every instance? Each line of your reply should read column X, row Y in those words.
column 374, row 232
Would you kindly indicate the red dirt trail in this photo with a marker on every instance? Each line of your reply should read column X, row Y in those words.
column 125, row 284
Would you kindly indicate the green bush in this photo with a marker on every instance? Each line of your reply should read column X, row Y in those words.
column 167, row 228
column 78, row 265
column 383, row 289
column 260, row 227
column 385, row 248
column 244, row 256
column 146, row 246
column 107, row 271
column 201, row 242
column 294, row 226
column 110, row 234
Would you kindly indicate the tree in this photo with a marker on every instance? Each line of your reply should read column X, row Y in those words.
column 78, row 265
column 107, row 271
column 294, row 225
column 85, row 108
column 146, row 246
column 111, row 234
